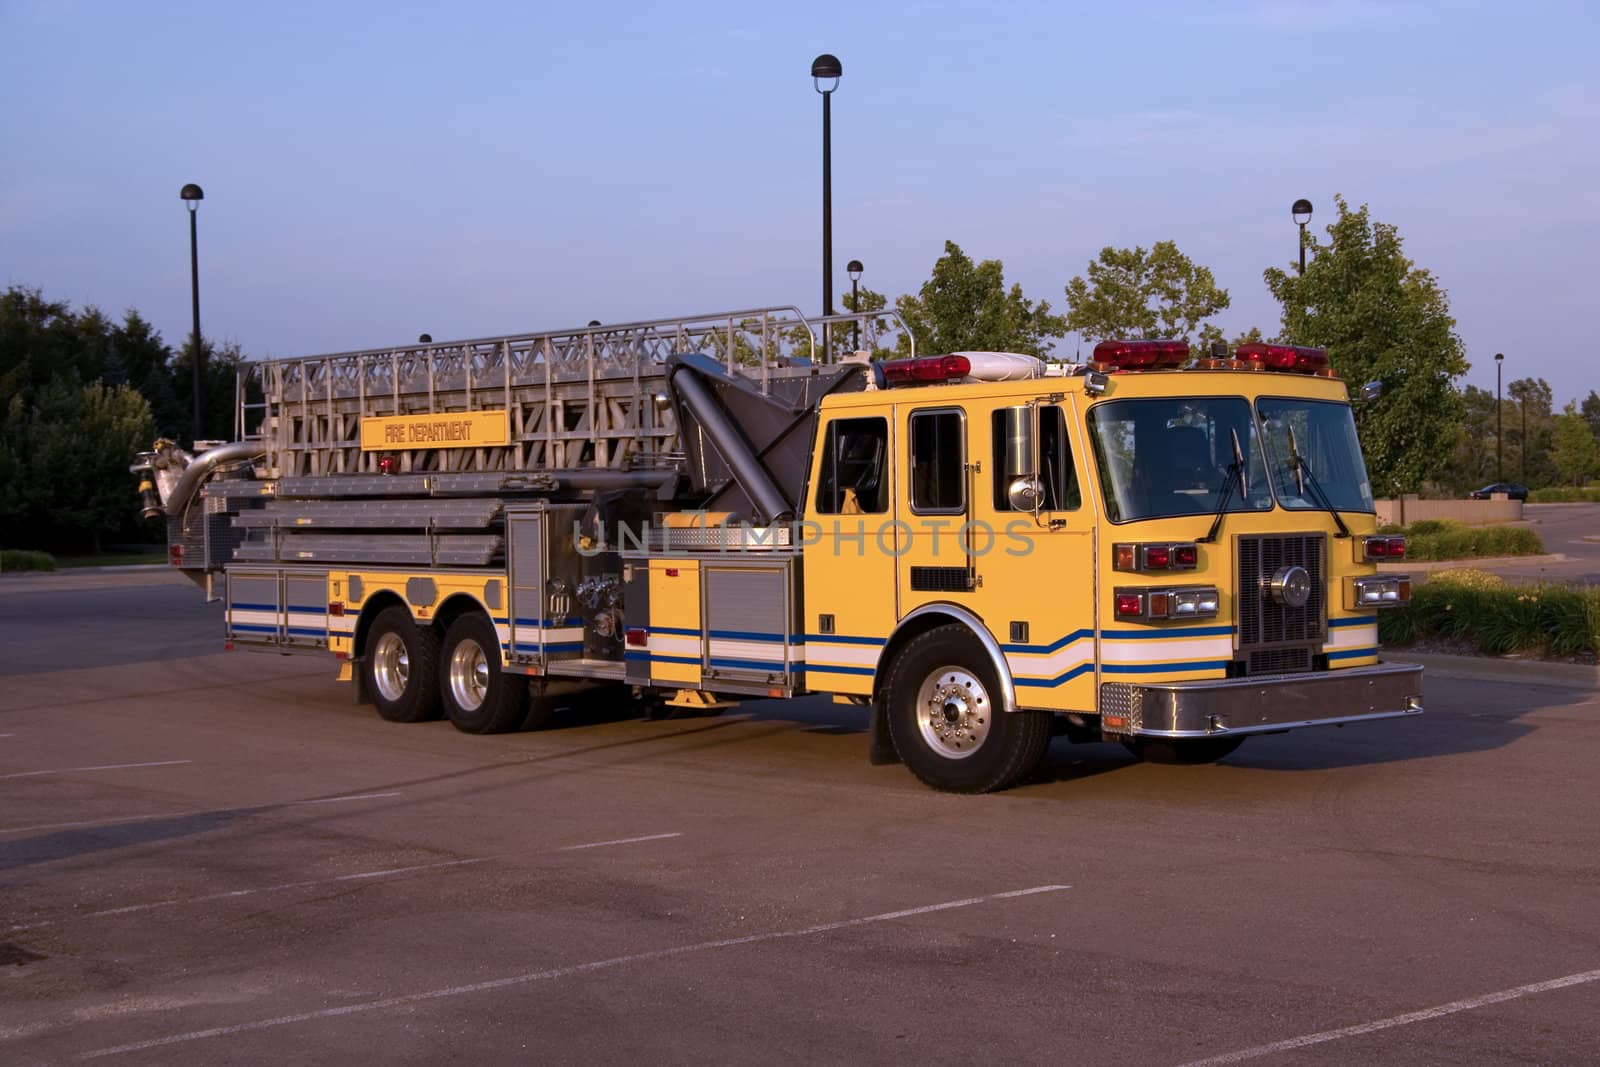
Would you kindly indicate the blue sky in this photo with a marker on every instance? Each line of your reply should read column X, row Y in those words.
column 376, row 170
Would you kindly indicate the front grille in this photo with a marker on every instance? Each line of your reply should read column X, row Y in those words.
column 1262, row 621
column 1278, row 661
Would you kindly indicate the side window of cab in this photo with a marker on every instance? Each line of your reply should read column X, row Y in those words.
column 851, row 479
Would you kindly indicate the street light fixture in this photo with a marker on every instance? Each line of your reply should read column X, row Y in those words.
column 1301, row 213
column 425, row 339
column 191, row 195
column 854, row 268
column 1499, row 423
column 825, row 73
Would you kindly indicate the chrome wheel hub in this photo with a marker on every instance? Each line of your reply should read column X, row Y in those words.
column 953, row 712
column 391, row 667
column 469, row 675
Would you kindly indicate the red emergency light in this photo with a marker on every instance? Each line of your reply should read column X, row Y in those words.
column 924, row 369
column 1283, row 357
column 1141, row 355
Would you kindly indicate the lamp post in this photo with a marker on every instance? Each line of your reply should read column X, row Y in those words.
column 191, row 195
column 1523, row 403
column 1301, row 213
column 854, row 269
column 1499, row 423
column 825, row 73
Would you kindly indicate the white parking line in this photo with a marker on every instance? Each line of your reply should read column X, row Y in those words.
column 101, row 767
column 340, row 800
column 618, row 841
column 1455, row 1006
column 233, row 894
column 252, row 810
column 236, row 893
column 565, row 972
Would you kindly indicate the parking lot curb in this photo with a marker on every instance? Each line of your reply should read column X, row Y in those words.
column 1495, row 668
column 1426, row 566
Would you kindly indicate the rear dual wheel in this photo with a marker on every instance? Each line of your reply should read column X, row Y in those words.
column 479, row 697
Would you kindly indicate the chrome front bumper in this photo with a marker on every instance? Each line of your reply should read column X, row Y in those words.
column 1260, row 705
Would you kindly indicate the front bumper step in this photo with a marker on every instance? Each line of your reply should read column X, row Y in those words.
column 1266, row 704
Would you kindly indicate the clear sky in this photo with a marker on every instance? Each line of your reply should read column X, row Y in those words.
column 373, row 171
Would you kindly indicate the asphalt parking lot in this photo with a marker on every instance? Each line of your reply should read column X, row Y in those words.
column 218, row 858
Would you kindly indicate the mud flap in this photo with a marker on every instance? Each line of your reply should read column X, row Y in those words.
column 880, row 748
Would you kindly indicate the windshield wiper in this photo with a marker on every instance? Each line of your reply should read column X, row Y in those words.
column 1304, row 475
column 1235, row 471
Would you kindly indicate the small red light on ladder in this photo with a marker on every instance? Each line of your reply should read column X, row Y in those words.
column 175, row 555
column 388, row 464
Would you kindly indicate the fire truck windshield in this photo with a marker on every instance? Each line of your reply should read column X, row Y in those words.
column 1318, row 437
column 1174, row 456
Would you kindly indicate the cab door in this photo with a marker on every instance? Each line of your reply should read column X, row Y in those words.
column 1037, row 575
column 933, row 512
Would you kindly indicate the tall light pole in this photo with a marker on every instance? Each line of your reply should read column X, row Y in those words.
column 191, row 195
column 854, row 269
column 1301, row 213
column 825, row 73
column 1499, row 423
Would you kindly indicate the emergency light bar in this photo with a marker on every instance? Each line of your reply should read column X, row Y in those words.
column 1283, row 357
column 1141, row 355
column 924, row 369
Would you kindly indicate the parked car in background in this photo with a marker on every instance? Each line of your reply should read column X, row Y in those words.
column 1510, row 489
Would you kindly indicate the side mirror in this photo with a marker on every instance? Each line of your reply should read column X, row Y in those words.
column 1025, row 494
column 1371, row 391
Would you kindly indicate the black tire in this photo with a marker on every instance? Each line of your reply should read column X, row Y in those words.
column 967, row 744
column 401, row 667
column 1187, row 753
column 479, row 697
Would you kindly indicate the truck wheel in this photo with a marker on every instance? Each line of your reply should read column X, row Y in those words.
column 401, row 664
column 945, row 722
column 478, row 697
column 1199, row 750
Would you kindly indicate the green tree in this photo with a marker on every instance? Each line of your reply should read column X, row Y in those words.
column 1574, row 450
column 1590, row 410
column 966, row 307
column 1472, row 453
column 1382, row 318
column 1530, row 421
column 1132, row 293
column 64, row 462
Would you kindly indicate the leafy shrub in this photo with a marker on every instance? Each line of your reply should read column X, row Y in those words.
column 1496, row 617
column 17, row 559
column 1435, row 539
column 1565, row 495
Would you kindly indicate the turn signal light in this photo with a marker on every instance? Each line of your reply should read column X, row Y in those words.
column 1385, row 549
column 1383, row 591
column 1157, row 557
column 1182, row 602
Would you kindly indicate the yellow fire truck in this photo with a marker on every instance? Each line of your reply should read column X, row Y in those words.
column 983, row 549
